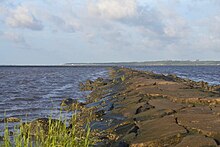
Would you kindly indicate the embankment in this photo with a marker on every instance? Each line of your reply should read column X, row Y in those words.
column 139, row 108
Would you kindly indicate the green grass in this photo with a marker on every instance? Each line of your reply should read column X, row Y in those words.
column 54, row 133
column 123, row 78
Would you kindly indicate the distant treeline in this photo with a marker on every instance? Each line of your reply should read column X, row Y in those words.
column 148, row 63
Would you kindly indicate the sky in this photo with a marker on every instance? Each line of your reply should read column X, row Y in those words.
column 84, row 31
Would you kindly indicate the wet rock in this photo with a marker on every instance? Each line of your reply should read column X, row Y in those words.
column 129, row 137
column 124, row 129
column 111, row 107
column 100, row 113
column 143, row 108
column 91, row 85
column 120, row 144
column 10, row 120
column 88, row 86
column 69, row 102
column 197, row 141
column 40, row 125
column 216, row 88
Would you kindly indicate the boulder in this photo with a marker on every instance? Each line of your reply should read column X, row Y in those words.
column 10, row 120
column 68, row 102
column 158, row 132
column 197, row 141
column 88, row 86
column 40, row 126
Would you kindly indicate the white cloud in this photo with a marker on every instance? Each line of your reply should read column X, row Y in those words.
column 113, row 9
column 21, row 17
column 141, row 28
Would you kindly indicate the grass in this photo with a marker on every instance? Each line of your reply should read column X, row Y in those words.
column 123, row 78
column 50, row 133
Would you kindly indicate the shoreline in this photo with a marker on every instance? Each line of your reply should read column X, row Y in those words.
column 148, row 109
column 139, row 108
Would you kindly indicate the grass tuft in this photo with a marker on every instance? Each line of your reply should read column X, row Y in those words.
column 50, row 133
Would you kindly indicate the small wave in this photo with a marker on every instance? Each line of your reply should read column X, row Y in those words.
column 20, row 99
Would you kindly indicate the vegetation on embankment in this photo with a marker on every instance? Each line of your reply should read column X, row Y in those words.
column 48, row 132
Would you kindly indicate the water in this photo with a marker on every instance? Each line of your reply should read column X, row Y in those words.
column 34, row 92
column 210, row 74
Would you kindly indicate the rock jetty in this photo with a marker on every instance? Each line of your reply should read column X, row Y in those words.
column 146, row 109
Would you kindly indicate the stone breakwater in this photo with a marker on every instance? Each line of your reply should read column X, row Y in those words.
column 139, row 108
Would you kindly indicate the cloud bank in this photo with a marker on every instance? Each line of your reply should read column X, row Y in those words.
column 114, row 30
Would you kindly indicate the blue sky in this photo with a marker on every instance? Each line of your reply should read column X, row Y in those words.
column 57, row 32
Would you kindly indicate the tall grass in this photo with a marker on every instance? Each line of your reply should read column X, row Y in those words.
column 51, row 133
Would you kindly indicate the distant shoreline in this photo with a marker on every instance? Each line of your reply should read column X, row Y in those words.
column 147, row 63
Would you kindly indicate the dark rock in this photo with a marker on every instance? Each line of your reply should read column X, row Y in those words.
column 88, row 86
column 68, row 101
column 10, row 120
column 81, row 86
column 41, row 125
column 111, row 107
column 124, row 129
column 129, row 137
column 120, row 144
column 99, row 80
column 100, row 113
column 89, row 82
column 134, row 129
column 11, row 133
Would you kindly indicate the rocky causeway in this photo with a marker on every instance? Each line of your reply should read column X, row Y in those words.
column 148, row 109
column 140, row 109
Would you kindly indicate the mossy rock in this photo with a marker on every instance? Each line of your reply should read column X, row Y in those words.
column 41, row 126
column 10, row 120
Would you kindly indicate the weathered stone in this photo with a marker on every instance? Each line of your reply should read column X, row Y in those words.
column 166, row 104
column 88, row 86
column 10, row 120
column 123, row 129
column 161, row 110
column 68, row 101
column 158, row 131
column 197, row 141
column 129, row 137
column 201, row 120
column 41, row 125
column 152, row 114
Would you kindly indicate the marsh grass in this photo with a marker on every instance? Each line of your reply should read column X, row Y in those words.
column 51, row 133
